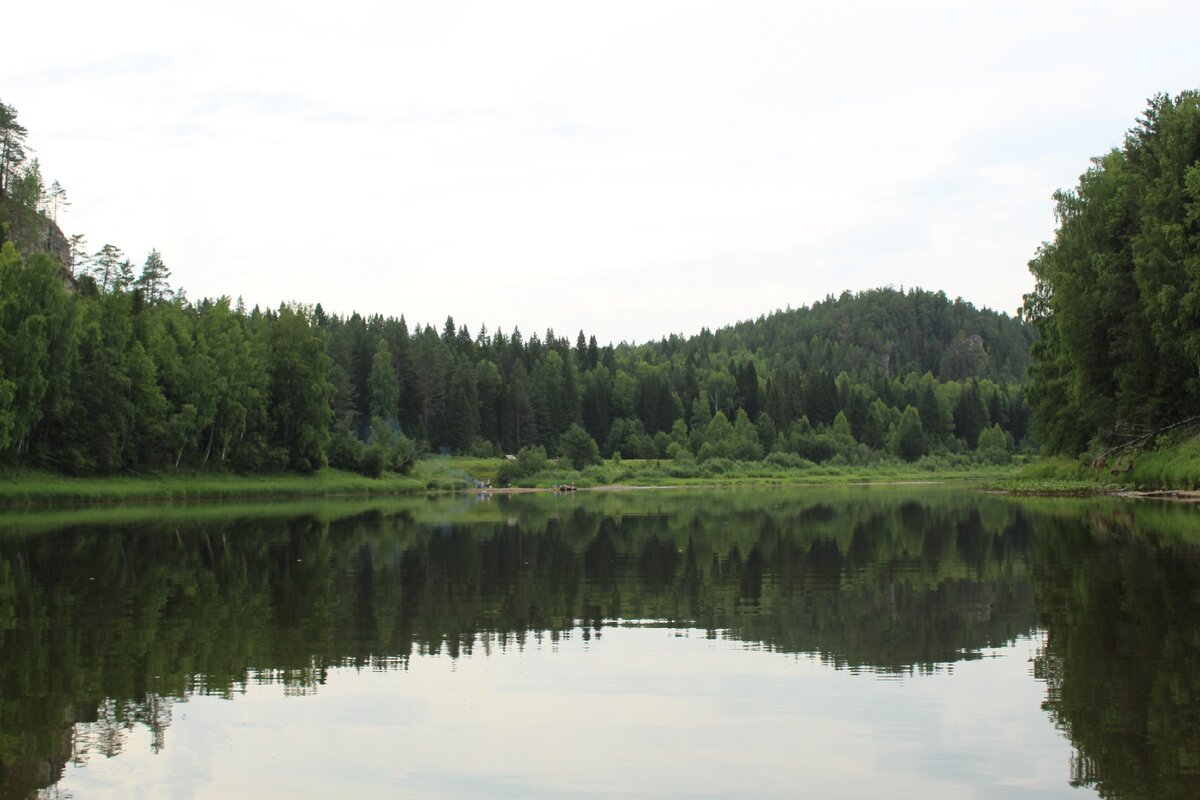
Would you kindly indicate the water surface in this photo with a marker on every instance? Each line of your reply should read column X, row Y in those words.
column 870, row 642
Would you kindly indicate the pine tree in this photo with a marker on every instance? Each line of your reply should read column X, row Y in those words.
column 153, row 280
column 12, row 148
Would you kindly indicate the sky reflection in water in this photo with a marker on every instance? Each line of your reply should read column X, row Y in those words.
column 635, row 712
column 864, row 642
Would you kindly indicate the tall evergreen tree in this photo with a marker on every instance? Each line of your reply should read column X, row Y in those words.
column 382, row 385
column 154, row 277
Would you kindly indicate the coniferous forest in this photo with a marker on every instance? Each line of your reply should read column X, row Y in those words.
column 106, row 368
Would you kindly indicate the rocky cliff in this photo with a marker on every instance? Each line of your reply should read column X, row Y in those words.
column 31, row 232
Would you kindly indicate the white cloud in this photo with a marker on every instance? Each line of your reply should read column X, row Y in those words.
column 632, row 168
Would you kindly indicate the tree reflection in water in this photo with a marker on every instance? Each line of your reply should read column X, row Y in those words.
column 106, row 621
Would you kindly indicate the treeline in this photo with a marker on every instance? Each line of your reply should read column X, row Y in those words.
column 741, row 393
column 1117, row 301
column 126, row 375
column 96, row 381
column 108, row 369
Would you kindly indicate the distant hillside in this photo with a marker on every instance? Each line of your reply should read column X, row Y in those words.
column 882, row 330
column 860, row 376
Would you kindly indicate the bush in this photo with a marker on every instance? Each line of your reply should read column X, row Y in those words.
column 404, row 454
column 680, row 454
column 529, row 462
column 815, row 447
column 578, row 448
column 389, row 451
column 787, row 461
column 259, row 457
column 596, row 474
column 373, row 460
column 684, row 469
column 509, row 473
column 717, row 466
column 532, row 460
column 345, row 449
column 482, row 448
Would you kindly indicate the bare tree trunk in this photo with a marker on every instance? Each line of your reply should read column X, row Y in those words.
column 212, row 432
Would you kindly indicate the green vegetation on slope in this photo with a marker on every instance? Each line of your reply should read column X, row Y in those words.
column 1169, row 464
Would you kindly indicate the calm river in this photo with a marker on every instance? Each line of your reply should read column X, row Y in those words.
column 919, row 642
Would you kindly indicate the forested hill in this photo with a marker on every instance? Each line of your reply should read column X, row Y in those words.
column 893, row 331
column 853, row 364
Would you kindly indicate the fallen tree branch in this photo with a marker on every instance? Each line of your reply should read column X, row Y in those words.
column 1146, row 437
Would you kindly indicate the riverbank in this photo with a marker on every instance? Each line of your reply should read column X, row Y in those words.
column 1171, row 470
column 25, row 488
column 30, row 487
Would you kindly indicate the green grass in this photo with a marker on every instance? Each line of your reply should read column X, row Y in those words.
column 1170, row 465
column 454, row 473
column 1173, row 466
column 30, row 487
column 629, row 472
column 443, row 474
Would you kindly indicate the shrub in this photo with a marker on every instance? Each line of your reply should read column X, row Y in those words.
column 578, row 448
column 787, row 461
column 372, row 461
column 509, row 473
column 717, row 466
column 482, row 448
column 684, row 469
column 532, row 460
column 596, row 473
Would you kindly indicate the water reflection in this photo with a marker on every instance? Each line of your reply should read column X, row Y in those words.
column 107, row 619
column 1119, row 595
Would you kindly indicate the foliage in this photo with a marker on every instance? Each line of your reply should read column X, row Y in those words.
column 578, row 448
column 910, row 436
column 1117, row 299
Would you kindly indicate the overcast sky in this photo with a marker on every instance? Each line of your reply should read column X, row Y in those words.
column 629, row 168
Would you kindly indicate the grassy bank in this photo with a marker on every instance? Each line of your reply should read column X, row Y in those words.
column 447, row 472
column 35, row 488
column 1169, row 465
column 29, row 487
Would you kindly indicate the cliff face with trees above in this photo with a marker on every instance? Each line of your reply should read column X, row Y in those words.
column 32, row 232
column 28, row 208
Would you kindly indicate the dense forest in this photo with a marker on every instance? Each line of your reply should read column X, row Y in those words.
column 107, row 368
column 1117, row 301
